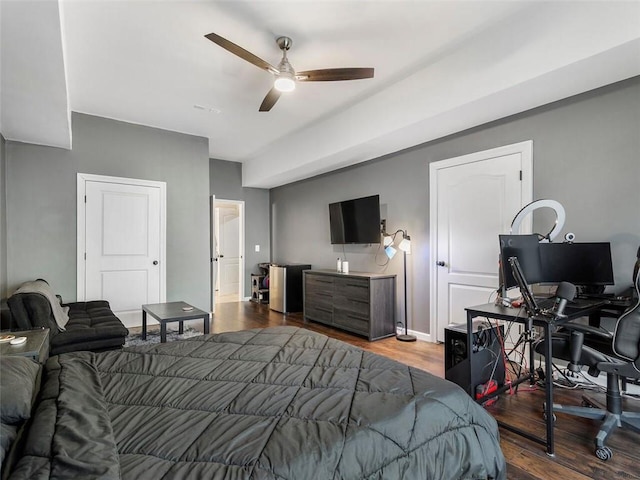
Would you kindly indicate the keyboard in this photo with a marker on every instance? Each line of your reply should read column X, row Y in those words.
column 546, row 303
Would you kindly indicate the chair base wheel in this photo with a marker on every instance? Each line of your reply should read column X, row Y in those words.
column 604, row 453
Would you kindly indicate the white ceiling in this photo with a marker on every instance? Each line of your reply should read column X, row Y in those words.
column 441, row 67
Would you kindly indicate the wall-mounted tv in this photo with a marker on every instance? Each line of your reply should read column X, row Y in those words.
column 355, row 221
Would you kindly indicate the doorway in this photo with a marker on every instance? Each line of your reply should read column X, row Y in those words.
column 473, row 199
column 121, row 232
column 227, row 251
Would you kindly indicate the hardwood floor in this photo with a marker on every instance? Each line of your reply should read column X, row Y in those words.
column 574, row 459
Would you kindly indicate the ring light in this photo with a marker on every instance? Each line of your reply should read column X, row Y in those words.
column 555, row 206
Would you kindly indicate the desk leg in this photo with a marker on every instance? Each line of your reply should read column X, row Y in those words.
column 163, row 332
column 532, row 358
column 470, row 350
column 180, row 328
column 548, row 388
column 207, row 319
column 144, row 325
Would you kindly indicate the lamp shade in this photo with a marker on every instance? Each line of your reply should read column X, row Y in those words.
column 405, row 244
column 390, row 251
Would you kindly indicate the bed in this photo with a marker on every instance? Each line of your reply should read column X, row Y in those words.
column 273, row 403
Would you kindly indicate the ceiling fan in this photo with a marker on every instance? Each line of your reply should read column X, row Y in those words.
column 286, row 76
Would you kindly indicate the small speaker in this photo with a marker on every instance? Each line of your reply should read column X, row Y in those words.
column 469, row 371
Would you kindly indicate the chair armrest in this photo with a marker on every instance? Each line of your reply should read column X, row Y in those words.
column 588, row 329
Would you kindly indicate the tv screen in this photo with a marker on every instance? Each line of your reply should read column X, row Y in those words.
column 355, row 221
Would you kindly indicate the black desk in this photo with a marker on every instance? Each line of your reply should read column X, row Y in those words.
column 518, row 315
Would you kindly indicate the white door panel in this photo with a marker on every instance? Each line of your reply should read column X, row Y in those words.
column 229, row 243
column 476, row 197
column 462, row 296
column 123, row 244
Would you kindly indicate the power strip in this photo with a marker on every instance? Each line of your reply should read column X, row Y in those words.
column 601, row 380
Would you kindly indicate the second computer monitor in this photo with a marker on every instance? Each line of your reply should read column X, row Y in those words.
column 526, row 249
column 583, row 264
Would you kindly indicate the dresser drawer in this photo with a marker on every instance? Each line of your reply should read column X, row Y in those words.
column 350, row 321
column 318, row 298
column 318, row 313
column 355, row 288
column 352, row 305
column 319, row 283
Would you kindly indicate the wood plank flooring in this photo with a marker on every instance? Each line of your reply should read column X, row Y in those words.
column 574, row 459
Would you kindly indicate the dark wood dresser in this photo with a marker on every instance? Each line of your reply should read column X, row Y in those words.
column 361, row 303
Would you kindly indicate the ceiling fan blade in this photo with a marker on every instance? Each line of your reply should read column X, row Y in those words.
column 333, row 74
column 241, row 52
column 270, row 100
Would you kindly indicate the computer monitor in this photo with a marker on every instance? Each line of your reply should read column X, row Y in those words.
column 583, row 264
column 526, row 249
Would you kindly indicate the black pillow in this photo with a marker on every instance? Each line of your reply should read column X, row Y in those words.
column 18, row 376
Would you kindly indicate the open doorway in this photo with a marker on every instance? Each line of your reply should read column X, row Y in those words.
column 227, row 251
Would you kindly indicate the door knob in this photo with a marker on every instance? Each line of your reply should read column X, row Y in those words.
column 155, row 262
column 441, row 264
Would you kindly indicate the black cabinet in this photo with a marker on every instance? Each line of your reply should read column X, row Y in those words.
column 484, row 362
column 361, row 303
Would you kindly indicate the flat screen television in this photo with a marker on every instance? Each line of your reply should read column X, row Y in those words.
column 355, row 221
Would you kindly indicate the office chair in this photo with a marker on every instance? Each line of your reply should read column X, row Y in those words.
column 568, row 344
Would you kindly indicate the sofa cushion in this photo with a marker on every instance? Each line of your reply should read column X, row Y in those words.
column 93, row 326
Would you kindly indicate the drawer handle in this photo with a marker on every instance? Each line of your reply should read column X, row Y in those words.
column 357, row 285
column 320, row 294
column 353, row 317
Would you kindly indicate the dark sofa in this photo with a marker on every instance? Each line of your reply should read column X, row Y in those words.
column 92, row 325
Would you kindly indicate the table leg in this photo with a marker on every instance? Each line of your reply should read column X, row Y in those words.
column 180, row 328
column 532, row 358
column 548, row 364
column 206, row 324
column 470, row 350
column 144, row 325
column 163, row 332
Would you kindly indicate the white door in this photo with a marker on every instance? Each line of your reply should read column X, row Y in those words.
column 213, row 213
column 473, row 199
column 123, row 243
column 228, row 234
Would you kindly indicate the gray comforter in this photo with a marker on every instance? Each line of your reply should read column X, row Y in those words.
column 275, row 403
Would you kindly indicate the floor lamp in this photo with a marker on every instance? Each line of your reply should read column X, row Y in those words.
column 405, row 246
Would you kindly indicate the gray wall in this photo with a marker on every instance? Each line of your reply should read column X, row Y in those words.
column 3, row 221
column 585, row 155
column 225, row 182
column 41, row 201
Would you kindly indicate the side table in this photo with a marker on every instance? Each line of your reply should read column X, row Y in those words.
column 172, row 312
column 36, row 347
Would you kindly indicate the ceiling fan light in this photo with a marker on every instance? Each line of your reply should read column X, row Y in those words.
column 285, row 83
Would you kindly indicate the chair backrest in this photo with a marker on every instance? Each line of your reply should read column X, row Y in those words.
column 626, row 338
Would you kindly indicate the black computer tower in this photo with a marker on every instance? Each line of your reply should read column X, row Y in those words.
column 469, row 371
